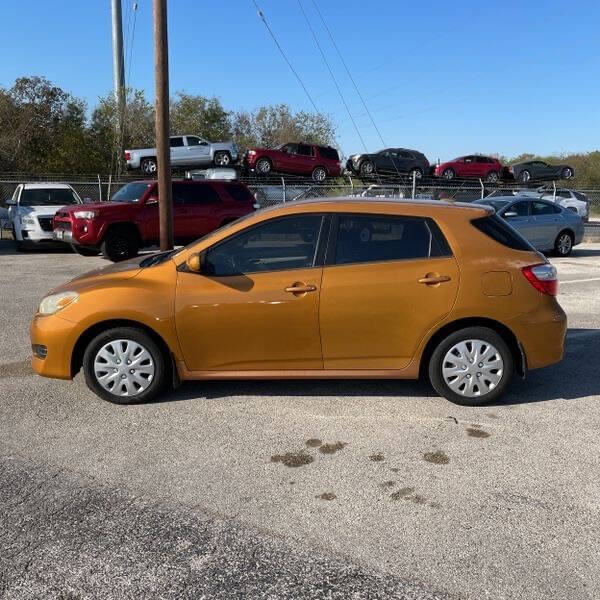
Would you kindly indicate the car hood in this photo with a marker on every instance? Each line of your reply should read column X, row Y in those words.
column 43, row 210
column 97, row 206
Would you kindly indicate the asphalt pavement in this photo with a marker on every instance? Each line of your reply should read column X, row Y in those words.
column 307, row 489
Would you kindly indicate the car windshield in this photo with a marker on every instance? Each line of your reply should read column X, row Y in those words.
column 48, row 197
column 497, row 204
column 132, row 192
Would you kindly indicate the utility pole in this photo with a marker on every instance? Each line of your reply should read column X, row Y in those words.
column 163, row 148
column 118, row 74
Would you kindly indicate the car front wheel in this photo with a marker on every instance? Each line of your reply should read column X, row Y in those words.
column 124, row 365
column 119, row 244
column 567, row 173
column 366, row 168
column 472, row 366
column 263, row 166
column 525, row 175
column 448, row 174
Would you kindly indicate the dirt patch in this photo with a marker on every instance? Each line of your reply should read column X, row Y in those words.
column 402, row 493
column 492, row 415
column 377, row 457
column 416, row 499
column 332, row 448
column 327, row 496
column 313, row 443
column 387, row 484
column 16, row 369
column 395, row 470
column 437, row 458
column 293, row 459
column 477, row 433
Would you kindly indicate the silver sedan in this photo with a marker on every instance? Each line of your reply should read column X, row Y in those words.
column 545, row 225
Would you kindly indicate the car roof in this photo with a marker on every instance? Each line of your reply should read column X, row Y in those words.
column 46, row 186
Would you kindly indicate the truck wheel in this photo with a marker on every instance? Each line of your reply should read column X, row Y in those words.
column 149, row 166
column 84, row 251
column 119, row 244
column 222, row 159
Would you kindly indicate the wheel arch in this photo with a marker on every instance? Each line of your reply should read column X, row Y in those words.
column 516, row 349
column 126, row 225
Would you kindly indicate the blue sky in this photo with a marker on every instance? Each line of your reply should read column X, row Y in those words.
column 447, row 78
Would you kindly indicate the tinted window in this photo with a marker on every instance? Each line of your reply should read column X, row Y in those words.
column 496, row 204
column 47, row 197
column 176, row 142
column 239, row 193
column 543, row 208
column 192, row 141
column 290, row 148
column 287, row 243
column 132, row 192
column 497, row 229
column 329, row 153
column 521, row 208
column 372, row 238
column 580, row 196
column 305, row 150
column 190, row 193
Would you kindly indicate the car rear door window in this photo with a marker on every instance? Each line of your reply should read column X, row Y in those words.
column 305, row 150
column 280, row 244
column 176, row 142
column 376, row 238
column 194, row 193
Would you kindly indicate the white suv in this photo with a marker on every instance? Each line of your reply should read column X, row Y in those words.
column 32, row 208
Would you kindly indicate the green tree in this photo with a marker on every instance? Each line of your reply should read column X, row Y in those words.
column 198, row 115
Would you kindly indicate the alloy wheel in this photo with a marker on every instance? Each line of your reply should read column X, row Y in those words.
column 222, row 159
column 564, row 244
column 124, row 367
column 472, row 368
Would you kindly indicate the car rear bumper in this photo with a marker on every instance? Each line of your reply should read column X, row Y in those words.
column 57, row 337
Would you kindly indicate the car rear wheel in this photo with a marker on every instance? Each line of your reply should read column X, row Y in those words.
column 416, row 173
column 83, row 251
column 492, row 177
column 149, row 166
column 525, row 175
column 124, row 365
column 222, row 159
column 563, row 244
column 448, row 174
column 119, row 244
column 472, row 366
column 366, row 168
column 263, row 166
column 319, row 174
column 567, row 173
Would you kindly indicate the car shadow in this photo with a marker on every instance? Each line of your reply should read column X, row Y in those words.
column 7, row 247
column 584, row 252
column 575, row 377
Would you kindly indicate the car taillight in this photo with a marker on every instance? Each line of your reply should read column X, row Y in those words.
column 127, row 155
column 542, row 277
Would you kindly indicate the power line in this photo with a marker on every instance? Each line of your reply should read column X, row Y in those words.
column 348, row 72
column 332, row 75
column 264, row 20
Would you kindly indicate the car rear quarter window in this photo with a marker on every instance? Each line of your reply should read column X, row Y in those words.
column 329, row 153
column 379, row 238
column 496, row 228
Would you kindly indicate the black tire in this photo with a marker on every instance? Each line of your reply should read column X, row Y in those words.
column 567, row 173
column 485, row 335
column 263, row 166
column 525, row 176
column 19, row 245
column 149, row 166
column 366, row 168
column 120, row 244
column 417, row 171
column 222, row 158
column 448, row 174
column 83, row 251
column 319, row 174
column 493, row 177
column 563, row 245
column 159, row 360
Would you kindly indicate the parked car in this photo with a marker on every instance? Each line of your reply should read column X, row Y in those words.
column 547, row 226
column 574, row 201
column 129, row 222
column 389, row 160
column 32, row 208
column 538, row 170
column 301, row 158
column 471, row 166
column 186, row 151
column 345, row 288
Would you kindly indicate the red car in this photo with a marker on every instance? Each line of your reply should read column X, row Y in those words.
column 319, row 162
column 129, row 222
column 480, row 167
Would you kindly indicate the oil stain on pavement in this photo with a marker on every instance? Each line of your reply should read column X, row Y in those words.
column 293, row 459
column 21, row 368
column 437, row 458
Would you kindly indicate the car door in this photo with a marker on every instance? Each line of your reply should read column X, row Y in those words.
column 286, row 158
column 468, row 167
column 384, row 162
column 403, row 161
column 305, row 159
column 547, row 223
column 481, row 166
column 519, row 217
column 256, row 305
column 387, row 280
column 178, row 150
column 197, row 151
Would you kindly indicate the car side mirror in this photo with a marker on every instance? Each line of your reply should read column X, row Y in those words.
column 510, row 214
column 11, row 202
column 151, row 201
column 196, row 262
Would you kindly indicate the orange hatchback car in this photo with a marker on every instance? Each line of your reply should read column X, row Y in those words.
column 336, row 288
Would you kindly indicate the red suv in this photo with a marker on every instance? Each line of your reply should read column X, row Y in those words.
column 129, row 222
column 481, row 167
column 319, row 162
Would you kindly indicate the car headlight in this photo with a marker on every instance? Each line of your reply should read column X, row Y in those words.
column 55, row 302
column 85, row 214
column 28, row 221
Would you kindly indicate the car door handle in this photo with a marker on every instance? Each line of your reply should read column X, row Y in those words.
column 300, row 288
column 434, row 279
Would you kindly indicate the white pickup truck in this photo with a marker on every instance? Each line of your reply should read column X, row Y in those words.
column 186, row 151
